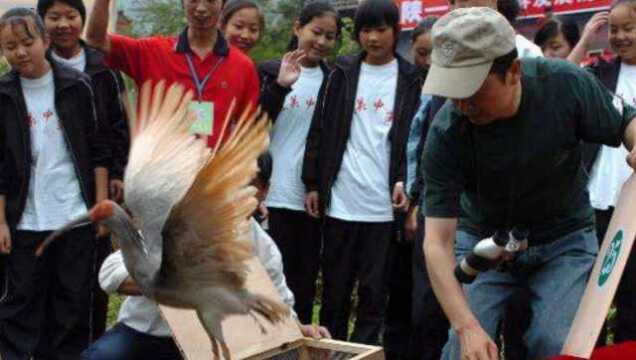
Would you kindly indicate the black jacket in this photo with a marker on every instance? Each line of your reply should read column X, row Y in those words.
column 607, row 72
column 109, row 88
column 74, row 103
column 331, row 125
column 273, row 95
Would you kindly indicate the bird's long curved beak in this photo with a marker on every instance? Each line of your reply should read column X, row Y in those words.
column 81, row 221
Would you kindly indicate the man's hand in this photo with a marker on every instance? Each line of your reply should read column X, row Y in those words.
column 5, row 239
column 315, row 331
column 312, row 203
column 400, row 200
column 116, row 190
column 410, row 225
column 476, row 344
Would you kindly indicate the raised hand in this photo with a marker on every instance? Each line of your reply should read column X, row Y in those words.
column 290, row 68
column 593, row 25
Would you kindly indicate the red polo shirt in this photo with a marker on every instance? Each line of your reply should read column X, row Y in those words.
column 155, row 58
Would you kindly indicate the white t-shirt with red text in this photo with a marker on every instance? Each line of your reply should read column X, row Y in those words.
column 361, row 191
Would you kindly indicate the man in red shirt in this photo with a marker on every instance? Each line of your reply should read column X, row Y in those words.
column 199, row 58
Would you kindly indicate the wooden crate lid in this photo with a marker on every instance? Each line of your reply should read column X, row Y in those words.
column 242, row 333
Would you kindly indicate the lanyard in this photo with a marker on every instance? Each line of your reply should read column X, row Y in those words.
column 198, row 83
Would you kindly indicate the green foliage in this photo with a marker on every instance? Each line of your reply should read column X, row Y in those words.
column 347, row 46
column 4, row 66
column 153, row 17
column 114, row 303
column 280, row 18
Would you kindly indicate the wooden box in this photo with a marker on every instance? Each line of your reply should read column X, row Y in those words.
column 245, row 337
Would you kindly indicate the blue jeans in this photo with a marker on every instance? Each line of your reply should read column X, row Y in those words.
column 555, row 274
column 124, row 343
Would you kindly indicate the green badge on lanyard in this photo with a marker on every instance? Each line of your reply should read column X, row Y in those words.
column 203, row 110
column 204, row 113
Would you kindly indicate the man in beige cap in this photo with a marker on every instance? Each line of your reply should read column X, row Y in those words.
column 505, row 153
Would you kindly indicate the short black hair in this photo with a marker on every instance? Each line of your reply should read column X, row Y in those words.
column 44, row 6
column 233, row 6
column 502, row 64
column 553, row 27
column 376, row 13
column 510, row 9
column 423, row 27
column 315, row 10
column 16, row 17
column 265, row 164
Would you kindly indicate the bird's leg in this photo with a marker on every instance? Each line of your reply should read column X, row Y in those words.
column 226, row 350
column 215, row 348
column 212, row 324
column 258, row 322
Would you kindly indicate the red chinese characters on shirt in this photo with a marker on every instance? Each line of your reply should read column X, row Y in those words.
column 389, row 117
column 360, row 105
column 47, row 115
column 294, row 102
column 30, row 120
column 378, row 105
column 311, row 102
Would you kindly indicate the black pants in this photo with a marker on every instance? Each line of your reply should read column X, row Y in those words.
column 355, row 251
column 397, row 324
column 45, row 313
column 625, row 298
column 299, row 239
column 99, row 310
column 429, row 323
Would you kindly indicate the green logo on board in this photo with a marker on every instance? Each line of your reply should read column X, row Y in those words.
column 611, row 258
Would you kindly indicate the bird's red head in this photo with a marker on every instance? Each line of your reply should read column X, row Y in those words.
column 102, row 211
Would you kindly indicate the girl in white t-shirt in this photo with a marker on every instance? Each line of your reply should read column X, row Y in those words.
column 606, row 165
column 50, row 165
column 290, row 91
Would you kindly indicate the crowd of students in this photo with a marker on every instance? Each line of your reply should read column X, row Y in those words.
column 346, row 187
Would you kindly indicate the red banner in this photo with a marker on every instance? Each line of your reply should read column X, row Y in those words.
column 413, row 11
column 536, row 8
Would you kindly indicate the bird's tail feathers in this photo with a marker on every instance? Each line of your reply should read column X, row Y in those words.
column 273, row 311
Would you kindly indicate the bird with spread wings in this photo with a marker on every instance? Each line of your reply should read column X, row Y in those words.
column 185, row 234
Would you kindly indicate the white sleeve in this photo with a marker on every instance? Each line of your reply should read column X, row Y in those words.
column 526, row 48
column 112, row 273
column 267, row 252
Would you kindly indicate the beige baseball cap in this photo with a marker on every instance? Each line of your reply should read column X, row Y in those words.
column 465, row 44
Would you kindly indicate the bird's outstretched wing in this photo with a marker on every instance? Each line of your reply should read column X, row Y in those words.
column 164, row 159
column 207, row 233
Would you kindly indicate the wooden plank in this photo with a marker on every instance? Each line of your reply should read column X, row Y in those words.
column 243, row 335
column 342, row 346
column 606, row 275
column 377, row 354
